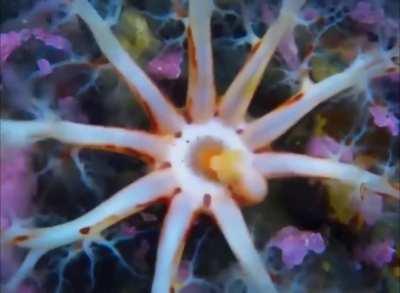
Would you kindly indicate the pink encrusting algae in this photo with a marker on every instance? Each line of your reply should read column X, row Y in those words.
column 376, row 254
column 11, row 41
column 384, row 118
column 44, row 66
column 18, row 184
column 365, row 12
column 295, row 244
column 166, row 65
column 208, row 158
column 17, row 187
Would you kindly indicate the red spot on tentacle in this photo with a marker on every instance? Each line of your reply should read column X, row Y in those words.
column 207, row 200
column 164, row 199
column 20, row 238
column 191, row 49
column 84, row 230
column 153, row 122
column 255, row 47
column 263, row 149
column 177, row 190
column 297, row 97
column 186, row 114
column 239, row 131
column 193, row 75
column 165, row 165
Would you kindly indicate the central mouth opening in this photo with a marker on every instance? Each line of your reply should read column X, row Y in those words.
column 214, row 161
column 202, row 156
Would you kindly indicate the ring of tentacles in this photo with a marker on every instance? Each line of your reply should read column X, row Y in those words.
column 206, row 158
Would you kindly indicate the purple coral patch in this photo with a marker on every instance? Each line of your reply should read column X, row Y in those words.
column 166, row 65
column 44, row 67
column 8, row 43
column 50, row 39
column 17, row 185
column 365, row 13
column 377, row 254
column 12, row 40
column 310, row 14
column 295, row 244
column 384, row 118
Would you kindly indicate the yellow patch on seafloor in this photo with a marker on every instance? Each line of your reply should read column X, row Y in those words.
column 135, row 34
column 396, row 272
column 340, row 201
column 320, row 123
column 326, row 266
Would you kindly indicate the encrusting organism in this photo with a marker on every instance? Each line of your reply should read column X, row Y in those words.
column 206, row 158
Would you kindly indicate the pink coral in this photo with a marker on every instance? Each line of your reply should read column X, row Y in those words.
column 51, row 40
column 310, row 14
column 17, row 185
column 166, row 65
column 11, row 41
column 365, row 13
column 377, row 254
column 8, row 43
column 295, row 244
column 326, row 146
column 384, row 118
column 17, row 182
column 394, row 76
column 44, row 67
